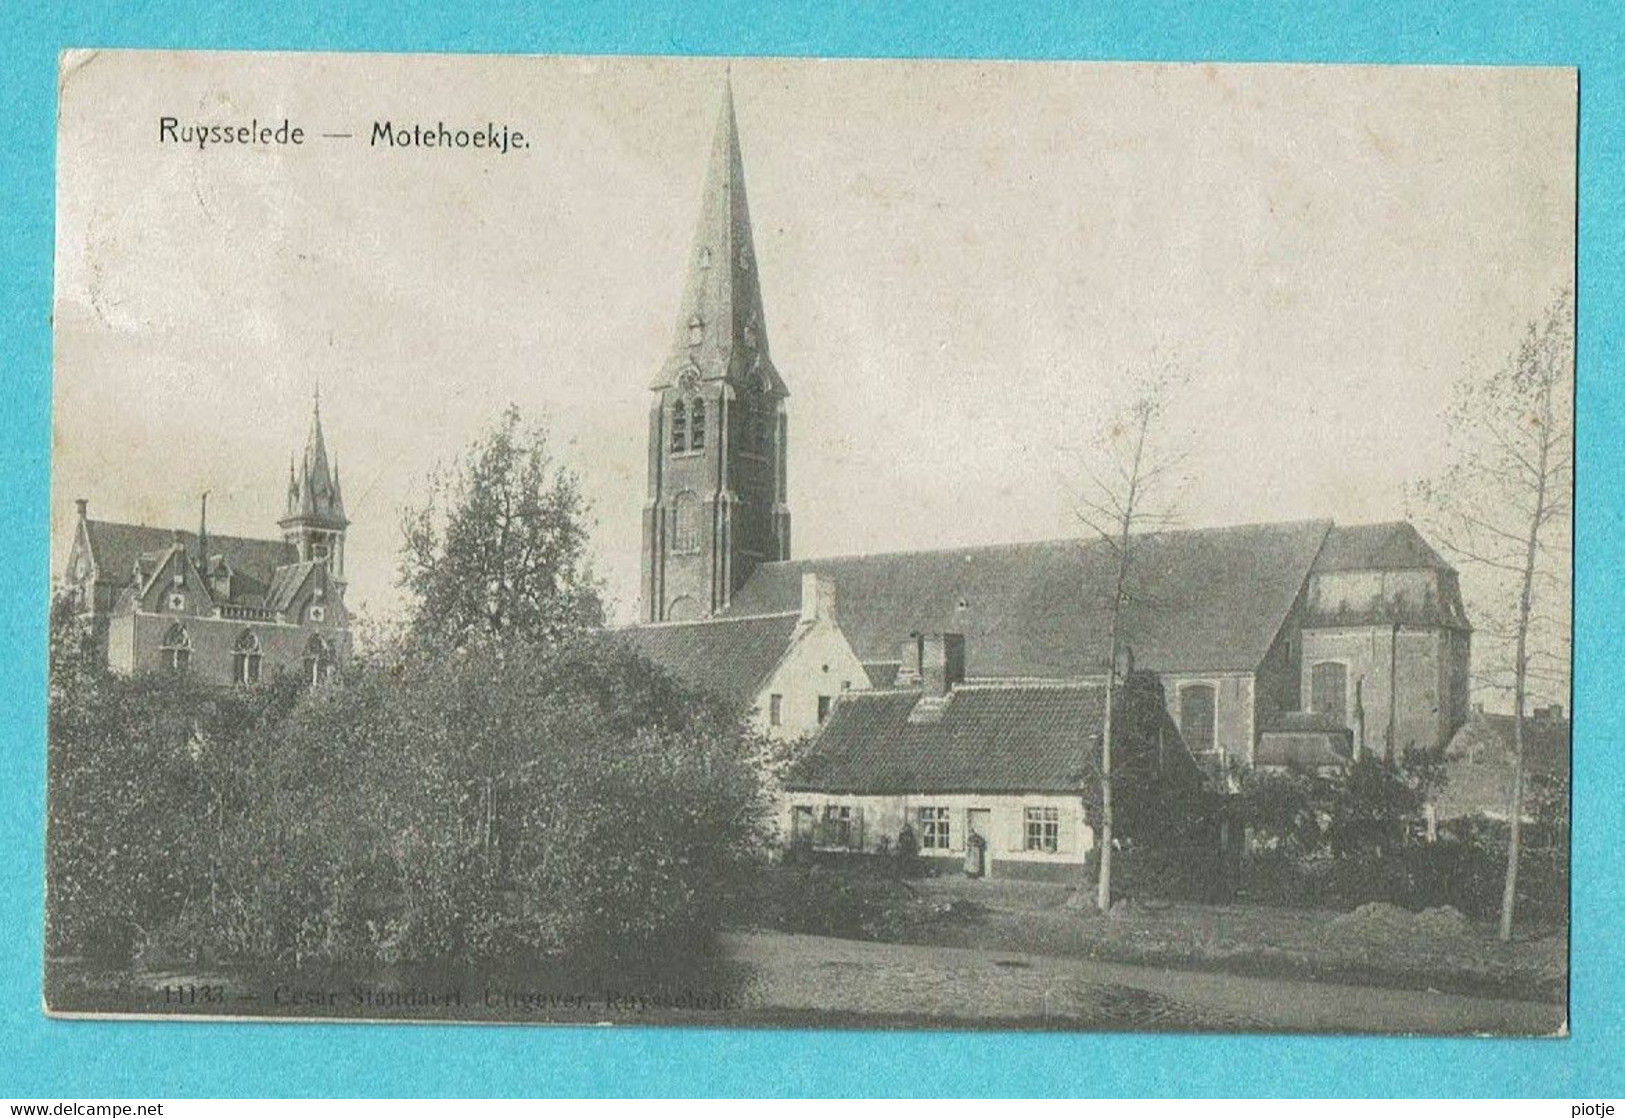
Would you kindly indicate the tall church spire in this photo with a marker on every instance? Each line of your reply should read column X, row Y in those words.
column 717, row 423
column 721, row 330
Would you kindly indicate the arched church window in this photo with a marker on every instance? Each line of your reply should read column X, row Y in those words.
column 685, row 530
column 696, row 425
column 1329, row 690
column 176, row 649
column 1198, row 713
column 765, row 419
column 696, row 330
column 245, row 658
column 679, row 427
column 320, row 662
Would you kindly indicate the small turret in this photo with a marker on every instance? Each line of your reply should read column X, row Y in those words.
column 315, row 520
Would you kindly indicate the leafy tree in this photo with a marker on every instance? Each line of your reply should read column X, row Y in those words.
column 1285, row 810
column 1503, row 509
column 499, row 548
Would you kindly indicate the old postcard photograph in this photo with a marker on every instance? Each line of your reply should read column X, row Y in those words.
column 799, row 543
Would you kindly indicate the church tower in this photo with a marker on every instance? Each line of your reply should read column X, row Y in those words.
column 314, row 521
column 717, row 424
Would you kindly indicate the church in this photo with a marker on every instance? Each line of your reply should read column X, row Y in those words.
column 227, row 609
column 1292, row 645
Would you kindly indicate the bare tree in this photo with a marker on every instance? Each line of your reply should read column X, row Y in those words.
column 1503, row 509
column 1125, row 493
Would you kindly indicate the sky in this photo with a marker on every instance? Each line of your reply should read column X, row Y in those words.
column 963, row 265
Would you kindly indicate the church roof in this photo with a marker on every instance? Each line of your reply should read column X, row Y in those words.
column 117, row 547
column 1392, row 546
column 1205, row 600
column 730, row 657
column 721, row 330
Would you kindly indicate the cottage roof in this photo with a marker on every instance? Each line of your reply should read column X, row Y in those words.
column 730, row 657
column 988, row 737
column 1205, row 600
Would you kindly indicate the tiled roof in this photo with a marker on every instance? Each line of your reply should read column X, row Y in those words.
column 1206, row 600
column 1304, row 749
column 730, row 658
column 117, row 547
column 286, row 583
column 1303, row 721
column 987, row 738
column 1395, row 545
column 882, row 673
column 1478, row 762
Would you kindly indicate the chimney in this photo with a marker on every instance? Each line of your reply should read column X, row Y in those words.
column 83, row 506
column 935, row 662
column 203, row 535
column 817, row 598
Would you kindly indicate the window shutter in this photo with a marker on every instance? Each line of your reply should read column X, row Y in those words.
column 857, row 828
column 1018, row 828
column 1066, row 831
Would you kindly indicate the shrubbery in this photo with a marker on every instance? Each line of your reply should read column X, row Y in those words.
column 1342, row 842
column 494, row 802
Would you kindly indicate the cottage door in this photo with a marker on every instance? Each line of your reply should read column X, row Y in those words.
column 979, row 821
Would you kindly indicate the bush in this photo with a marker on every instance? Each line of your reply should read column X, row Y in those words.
column 477, row 806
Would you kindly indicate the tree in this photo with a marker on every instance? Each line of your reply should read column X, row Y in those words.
column 1502, row 508
column 499, row 548
column 1125, row 494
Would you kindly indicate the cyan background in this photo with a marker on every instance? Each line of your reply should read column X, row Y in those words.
column 60, row 1059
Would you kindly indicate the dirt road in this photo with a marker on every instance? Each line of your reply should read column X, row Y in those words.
column 811, row 979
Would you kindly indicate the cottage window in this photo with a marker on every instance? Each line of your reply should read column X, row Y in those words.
column 1328, row 690
column 1044, row 829
column 245, row 658
column 837, row 825
column 824, row 702
column 319, row 660
column 775, row 710
column 679, row 427
column 176, row 649
column 934, row 833
column 685, row 530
